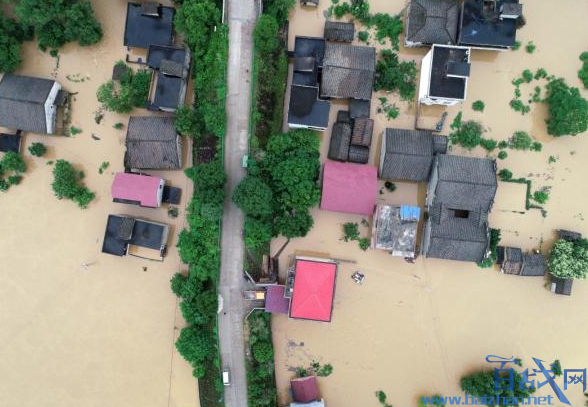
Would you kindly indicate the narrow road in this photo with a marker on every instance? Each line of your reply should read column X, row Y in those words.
column 241, row 20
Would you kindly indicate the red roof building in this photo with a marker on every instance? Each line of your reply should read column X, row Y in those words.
column 275, row 301
column 313, row 290
column 137, row 189
column 304, row 389
column 349, row 188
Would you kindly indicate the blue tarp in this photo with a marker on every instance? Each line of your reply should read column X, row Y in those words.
column 410, row 213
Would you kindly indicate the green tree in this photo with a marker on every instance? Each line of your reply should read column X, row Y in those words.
column 468, row 135
column 478, row 106
column 258, row 232
column 556, row 365
column 481, row 384
column 140, row 84
column 265, row 35
column 196, row 19
column 37, row 149
column 114, row 97
column 279, row 9
column 185, row 121
column 12, row 161
column 67, row 183
column 263, row 351
column 541, row 196
column 12, row 35
column 294, row 224
column 568, row 110
column 569, row 259
column 505, row 174
column 254, row 197
column 520, row 140
column 350, row 231
column 196, row 346
column 393, row 75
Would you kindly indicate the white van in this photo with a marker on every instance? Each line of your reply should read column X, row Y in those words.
column 226, row 377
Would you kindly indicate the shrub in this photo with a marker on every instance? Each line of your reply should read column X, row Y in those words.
column 37, row 149
column 478, row 106
column 488, row 144
column 481, row 384
column 12, row 161
column 263, row 351
column 502, row 155
column 73, row 130
column 536, row 146
column 569, row 259
column 258, row 232
column 14, row 179
column 530, row 47
column 541, row 196
column 520, row 140
column 350, row 231
column 67, row 184
column 363, row 36
column 540, row 74
column 186, row 121
column 469, row 135
column 131, row 91
column 364, row 243
column 519, row 106
column 118, row 126
column 140, row 85
column 527, row 76
column 393, row 75
column 516, row 46
column 583, row 72
column 505, row 175
column 556, row 365
column 568, row 110
column 503, row 144
column 254, row 197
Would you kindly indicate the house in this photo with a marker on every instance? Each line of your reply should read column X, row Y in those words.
column 489, row 25
column 153, row 143
column 395, row 229
column 534, row 265
column 340, row 142
column 562, row 286
column 275, row 300
column 444, row 75
column 513, row 261
column 359, row 154
column 407, row 155
column 339, row 31
column 30, row 104
column 149, row 23
column 348, row 71
column 313, row 289
column 306, row 109
column 460, row 195
column 137, row 189
column 173, row 67
column 125, row 235
column 361, row 134
column 359, row 108
column 349, row 188
column 10, row 142
column 568, row 235
column 305, row 389
column 431, row 22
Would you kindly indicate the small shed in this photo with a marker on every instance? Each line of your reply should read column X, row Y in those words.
column 275, row 301
column 359, row 108
column 339, row 31
column 562, row 286
column 343, row 117
column 305, row 389
column 340, row 140
column 534, row 265
column 359, row 154
column 362, row 132
column 510, row 259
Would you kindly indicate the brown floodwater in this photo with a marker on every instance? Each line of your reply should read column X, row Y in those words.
column 414, row 330
column 102, row 336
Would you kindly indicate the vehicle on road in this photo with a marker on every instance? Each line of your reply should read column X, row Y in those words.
column 226, row 377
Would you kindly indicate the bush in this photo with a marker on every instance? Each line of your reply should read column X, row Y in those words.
column 132, row 91
column 37, row 149
column 363, row 36
column 530, row 47
column 12, row 161
column 468, row 135
column 568, row 110
column 254, row 197
column 258, row 232
column 393, row 75
column 67, row 184
column 488, row 144
column 583, row 72
column 541, row 196
column 520, row 140
column 536, row 146
column 364, row 243
column 519, row 106
column 478, row 106
column 556, row 365
column 502, row 155
column 350, row 231
column 569, row 259
column 527, row 76
column 481, row 384
column 505, row 175
column 263, row 351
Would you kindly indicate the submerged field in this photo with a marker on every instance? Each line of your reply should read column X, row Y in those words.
column 101, row 336
column 413, row 330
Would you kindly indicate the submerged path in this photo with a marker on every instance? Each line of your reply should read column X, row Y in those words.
column 241, row 20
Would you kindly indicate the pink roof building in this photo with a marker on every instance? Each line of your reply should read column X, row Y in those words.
column 137, row 189
column 304, row 389
column 275, row 301
column 349, row 188
column 314, row 289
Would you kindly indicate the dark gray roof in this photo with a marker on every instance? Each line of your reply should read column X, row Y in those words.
column 125, row 228
column 449, row 66
column 22, row 100
column 152, row 143
column 568, row 235
column 306, row 110
column 359, row 154
column 362, row 132
column 304, row 64
column 485, row 28
column 408, row 155
column 359, row 108
column 512, row 9
column 465, row 182
column 561, row 286
column 172, row 68
column 455, row 238
column 432, row 21
column 339, row 31
column 150, row 9
column 534, row 264
column 510, row 259
column 340, row 140
column 439, row 144
column 343, row 117
column 348, row 71
column 143, row 29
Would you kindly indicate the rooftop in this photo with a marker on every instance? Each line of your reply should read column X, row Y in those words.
column 306, row 110
column 142, row 189
column 122, row 231
column 152, row 143
column 275, row 301
column 432, row 22
column 396, row 229
column 148, row 25
column 314, row 290
column 349, row 188
column 305, row 389
column 482, row 25
column 348, row 71
column 449, row 72
column 339, row 31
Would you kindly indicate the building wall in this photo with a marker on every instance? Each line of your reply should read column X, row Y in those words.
column 51, row 108
column 425, row 80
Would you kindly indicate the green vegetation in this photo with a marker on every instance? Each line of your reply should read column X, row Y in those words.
column 57, row 22
column 118, row 126
column 364, row 243
column 505, row 175
column 391, row 111
column 468, row 134
column 37, row 149
column 527, row 76
column 315, row 369
column 67, row 183
column 393, row 75
column 556, row 367
column 536, row 146
column 132, row 90
column 350, row 231
column 383, row 398
column 185, row 121
column 73, row 130
column 494, row 241
column 390, row 186
column 197, row 20
column 518, row 106
column 520, row 140
column 541, row 196
column 516, row 46
column 502, row 155
column 530, row 47
column 363, row 36
column 456, row 123
column 568, row 110
column 552, row 159
column 173, row 212
column 481, row 384
column 12, row 166
column 437, row 400
column 583, row 72
column 103, row 167
column 478, row 106
column 261, row 383
column 569, row 259
column 488, row 144
column 12, row 35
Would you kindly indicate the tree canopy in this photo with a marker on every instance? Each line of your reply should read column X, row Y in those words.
column 131, row 90
column 481, row 384
column 67, row 183
column 568, row 110
column 196, row 20
column 393, row 75
column 12, row 34
column 569, row 259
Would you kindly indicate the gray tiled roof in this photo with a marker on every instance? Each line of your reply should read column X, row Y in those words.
column 534, row 264
column 561, row 286
column 359, row 154
column 510, row 259
column 362, row 132
column 432, row 21
column 466, row 182
column 348, row 71
column 408, row 156
column 339, row 31
column 454, row 238
column 340, row 140
column 172, row 68
column 152, row 143
column 22, row 100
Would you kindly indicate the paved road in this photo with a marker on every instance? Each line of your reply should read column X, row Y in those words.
column 241, row 19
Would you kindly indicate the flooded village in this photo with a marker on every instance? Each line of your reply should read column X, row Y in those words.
column 402, row 285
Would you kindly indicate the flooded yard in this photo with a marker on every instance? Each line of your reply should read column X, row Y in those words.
column 415, row 330
column 81, row 328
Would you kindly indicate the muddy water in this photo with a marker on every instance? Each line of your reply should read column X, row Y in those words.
column 102, row 336
column 414, row 330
